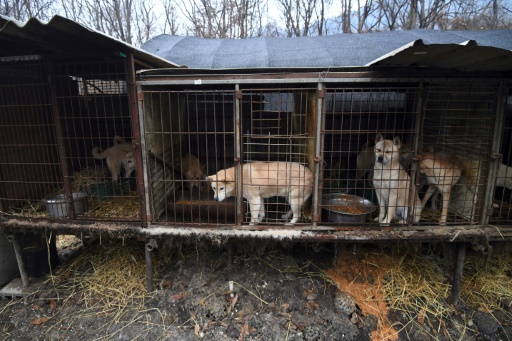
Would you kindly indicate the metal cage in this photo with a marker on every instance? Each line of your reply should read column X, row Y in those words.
column 328, row 127
column 52, row 115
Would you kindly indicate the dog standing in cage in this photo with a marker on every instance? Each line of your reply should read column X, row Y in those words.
column 120, row 155
column 192, row 171
column 392, row 183
column 443, row 171
column 263, row 180
column 366, row 158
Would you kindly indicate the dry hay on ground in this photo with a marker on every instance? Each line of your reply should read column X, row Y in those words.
column 107, row 277
column 126, row 207
column 361, row 275
column 83, row 179
column 489, row 289
column 415, row 285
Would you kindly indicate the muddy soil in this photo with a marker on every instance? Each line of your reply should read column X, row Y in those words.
column 270, row 292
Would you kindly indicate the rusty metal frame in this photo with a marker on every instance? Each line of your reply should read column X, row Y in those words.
column 135, row 119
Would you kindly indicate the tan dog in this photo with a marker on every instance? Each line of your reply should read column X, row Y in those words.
column 443, row 171
column 366, row 157
column 263, row 180
column 118, row 156
column 192, row 170
column 392, row 183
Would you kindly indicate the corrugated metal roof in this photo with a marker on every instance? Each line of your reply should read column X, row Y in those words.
column 456, row 50
column 61, row 35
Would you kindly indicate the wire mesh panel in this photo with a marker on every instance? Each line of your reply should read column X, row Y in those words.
column 69, row 125
column 502, row 204
column 188, row 134
column 280, row 132
column 458, row 131
column 408, row 154
column 390, row 153
column 192, row 135
column 354, row 118
column 29, row 158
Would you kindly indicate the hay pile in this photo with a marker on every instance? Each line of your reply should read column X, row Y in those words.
column 489, row 289
column 109, row 278
column 362, row 275
column 402, row 280
column 126, row 207
column 83, row 179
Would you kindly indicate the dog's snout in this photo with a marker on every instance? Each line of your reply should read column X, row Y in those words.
column 216, row 198
column 380, row 159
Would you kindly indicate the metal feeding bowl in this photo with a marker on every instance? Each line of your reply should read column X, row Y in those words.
column 346, row 208
column 56, row 207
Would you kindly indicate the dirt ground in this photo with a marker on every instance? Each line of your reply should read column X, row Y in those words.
column 261, row 291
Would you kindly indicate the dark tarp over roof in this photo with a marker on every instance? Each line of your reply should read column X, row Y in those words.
column 457, row 50
column 62, row 35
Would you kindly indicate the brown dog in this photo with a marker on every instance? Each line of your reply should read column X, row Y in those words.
column 443, row 171
column 392, row 183
column 192, row 170
column 263, row 180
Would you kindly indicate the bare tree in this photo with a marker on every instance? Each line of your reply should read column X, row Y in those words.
column 23, row 10
column 170, row 21
column 146, row 21
column 223, row 18
column 346, row 12
column 364, row 12
column 304, row 17
column 74, row 9
column 290, row 11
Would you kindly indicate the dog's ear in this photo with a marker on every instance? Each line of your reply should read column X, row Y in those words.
column 209, row 178
column 396, row 141
column 379, row 138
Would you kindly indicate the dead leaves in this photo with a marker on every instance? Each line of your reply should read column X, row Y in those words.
column 421, row 316
column 40, row 320
column 181, row 295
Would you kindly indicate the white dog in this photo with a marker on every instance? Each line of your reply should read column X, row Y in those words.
column 392, row 183
column 118, row 156
column 263, row 180
column 366, row 157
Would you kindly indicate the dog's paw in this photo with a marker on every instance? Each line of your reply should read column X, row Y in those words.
column 376, row 220
column 384, row 222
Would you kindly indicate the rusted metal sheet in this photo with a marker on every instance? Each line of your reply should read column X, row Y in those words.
column 326, row 234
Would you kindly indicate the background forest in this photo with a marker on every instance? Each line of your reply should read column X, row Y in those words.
column 136, row 21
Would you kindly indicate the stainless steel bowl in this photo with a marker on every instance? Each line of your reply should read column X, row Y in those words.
column 346, row 208
column 57, row 207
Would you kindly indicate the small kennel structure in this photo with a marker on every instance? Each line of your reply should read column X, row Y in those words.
column 65, row 89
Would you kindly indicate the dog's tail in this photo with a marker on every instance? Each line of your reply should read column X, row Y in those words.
column 96, row 152
column 308, row 209
column 118, row 140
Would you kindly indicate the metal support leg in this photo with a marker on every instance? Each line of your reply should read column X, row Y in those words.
column 19, row 258
column 149, row 265
column 457, row 276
